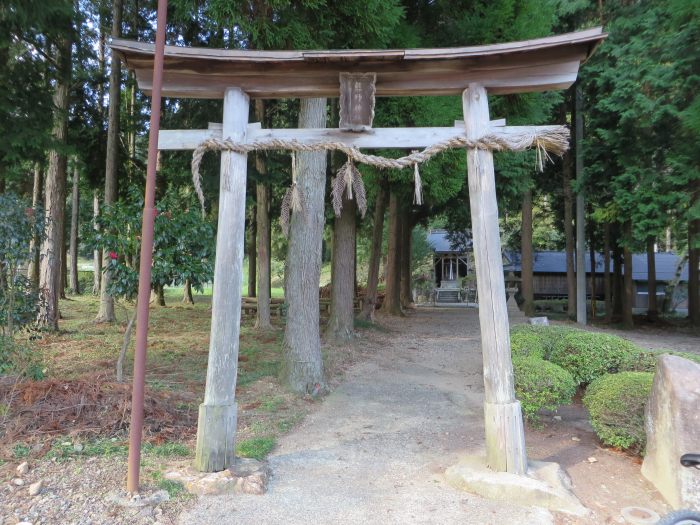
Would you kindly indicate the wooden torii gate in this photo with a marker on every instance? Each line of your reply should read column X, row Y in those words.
column 236, row 76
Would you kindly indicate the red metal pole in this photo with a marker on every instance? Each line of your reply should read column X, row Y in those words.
column 137, row 396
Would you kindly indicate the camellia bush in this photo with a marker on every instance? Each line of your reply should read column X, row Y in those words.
column 19, row 297
column 19, row 225
column 183, row 244
column 183, row 249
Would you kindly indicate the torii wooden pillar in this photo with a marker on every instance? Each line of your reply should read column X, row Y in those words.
column 503, row 420
column 216, row 427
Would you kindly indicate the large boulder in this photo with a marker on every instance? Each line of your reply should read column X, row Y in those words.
column 673, row 429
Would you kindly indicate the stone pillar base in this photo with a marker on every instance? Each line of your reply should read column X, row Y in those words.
column 216, row 437
column 544, row 485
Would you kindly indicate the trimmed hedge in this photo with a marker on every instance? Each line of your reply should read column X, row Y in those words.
column 616, row 404
column 540, row 384
column 526, row 341
column 589, row 355
column 534, row 340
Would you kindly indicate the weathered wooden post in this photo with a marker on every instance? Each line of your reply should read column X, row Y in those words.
column 505, row 439
column 216, row 430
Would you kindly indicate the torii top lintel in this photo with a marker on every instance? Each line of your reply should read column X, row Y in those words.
column 513, row 67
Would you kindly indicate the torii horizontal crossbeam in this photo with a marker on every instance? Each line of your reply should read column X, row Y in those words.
column 400, row 138
column 514, row 67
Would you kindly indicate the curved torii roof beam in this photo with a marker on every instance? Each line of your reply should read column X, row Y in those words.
column 514, row 67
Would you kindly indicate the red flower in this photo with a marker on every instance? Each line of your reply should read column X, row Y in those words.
column 113, row 256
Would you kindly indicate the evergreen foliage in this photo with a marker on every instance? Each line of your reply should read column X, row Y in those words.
column 616, row 404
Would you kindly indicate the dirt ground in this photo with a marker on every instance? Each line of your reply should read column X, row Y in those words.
column 374, row 451
column 377, row 448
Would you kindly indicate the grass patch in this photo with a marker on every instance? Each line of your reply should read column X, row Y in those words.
column 256, row 448
column 167, row 450
column 287, row 424
column 173, row 488
column 272, row 404
column 63, row 449
column 20, row 450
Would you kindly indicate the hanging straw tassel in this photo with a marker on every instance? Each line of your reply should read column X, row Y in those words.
column 417, row 186
column 292, row 202
column 348, row 181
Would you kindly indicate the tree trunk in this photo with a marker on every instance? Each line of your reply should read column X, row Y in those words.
column 160, row 292
column 569, row 234
column 187, row 297
column 406, row 293
column 617, row 280
column 125, row 344
column 302, row 368
column 628, row 302
column 75, row 208
column 607, row 283
column 96, row 254
column 526, row 256
column 694, row 272
column 106, row 312
column 55, row 194
column 262, row 321
column 392, row 289
column 64, row 267
column 591, row 254
column 252, row 252
column 33, row 270
column 652, row 308
column 694, row 258
column 341, row 323
column 370, row 303
column 263, row 228
column 670, row 289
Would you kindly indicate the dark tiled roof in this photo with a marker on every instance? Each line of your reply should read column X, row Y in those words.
column 443, row 242
column 555, row 262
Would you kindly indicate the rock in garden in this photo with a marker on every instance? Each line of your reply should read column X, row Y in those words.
column 541, row 321
column 18, row 482
column 35, row 488
column 673, row 429
column 22, row 468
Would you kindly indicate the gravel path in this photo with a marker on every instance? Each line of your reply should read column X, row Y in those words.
column 376, row 450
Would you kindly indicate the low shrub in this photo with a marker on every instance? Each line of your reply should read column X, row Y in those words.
column 540, row 384
column 535, row 340
column 644, row 360
column 589, row 355
column 20, row 359
column 616, row 405
column 639, row 360
column 526, row 341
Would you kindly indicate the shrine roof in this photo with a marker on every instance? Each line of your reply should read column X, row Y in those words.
column 514, row 67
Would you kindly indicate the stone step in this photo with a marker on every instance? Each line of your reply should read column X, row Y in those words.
column 448, row 296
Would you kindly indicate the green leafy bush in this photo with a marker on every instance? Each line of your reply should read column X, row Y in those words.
column 540, row 384
column 589, row 355
column 536, row 340
column 20, row 359
column 19, row 225
column 616, row 405
column 526, row 341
